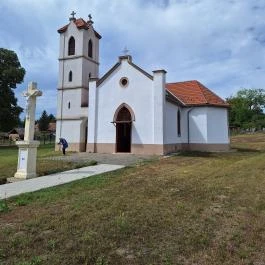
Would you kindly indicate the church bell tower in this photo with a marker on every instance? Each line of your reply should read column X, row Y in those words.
column 78, row 62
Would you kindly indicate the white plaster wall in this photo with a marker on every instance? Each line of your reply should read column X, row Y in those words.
column 74, row 65
column 184, row 125
column 159, row 102
column 217, row 125
column 84, row 97
column 80, row 67
column 70, row 130
column 89, row 67
column 138, row 95
column 72, row 30
column 198, row 125
column 89, row 34
column 171, row 130
column 74, row 97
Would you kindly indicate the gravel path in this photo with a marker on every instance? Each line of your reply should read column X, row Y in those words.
column 113, row 159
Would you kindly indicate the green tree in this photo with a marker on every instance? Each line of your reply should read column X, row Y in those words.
column 246, row 108
column 52, row 118
column 11, row 74
column 44, row 121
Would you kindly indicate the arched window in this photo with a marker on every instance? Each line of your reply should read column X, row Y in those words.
column 70, row 77
column 179, row 123
column 90, row 49
column 89, row 75
column 69, row 105
column 71, row 46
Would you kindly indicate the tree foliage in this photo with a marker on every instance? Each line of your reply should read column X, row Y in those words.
column 44, row 121
column 11, row 74
column 246, row 109
column 52, row 118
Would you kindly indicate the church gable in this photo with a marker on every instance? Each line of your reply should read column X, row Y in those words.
column 123, row 59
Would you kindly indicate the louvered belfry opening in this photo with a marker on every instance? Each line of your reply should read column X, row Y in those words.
column 123, row 131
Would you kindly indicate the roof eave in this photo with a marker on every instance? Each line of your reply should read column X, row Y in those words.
column 176, row 98
column 105, row 76
column 208, row 105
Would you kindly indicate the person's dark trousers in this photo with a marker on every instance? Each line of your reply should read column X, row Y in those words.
column 64, row 151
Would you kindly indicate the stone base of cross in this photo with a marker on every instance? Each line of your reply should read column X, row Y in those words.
column 27, row 153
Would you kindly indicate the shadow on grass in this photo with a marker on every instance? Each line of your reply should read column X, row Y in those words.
column 247, row 150
column 197, row 154
column 214, row 154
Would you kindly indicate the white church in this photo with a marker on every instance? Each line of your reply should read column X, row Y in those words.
column 128, row 110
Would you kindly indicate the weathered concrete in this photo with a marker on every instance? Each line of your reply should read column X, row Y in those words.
column 29, row 185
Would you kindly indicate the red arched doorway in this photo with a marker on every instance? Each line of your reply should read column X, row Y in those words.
column 123, row 130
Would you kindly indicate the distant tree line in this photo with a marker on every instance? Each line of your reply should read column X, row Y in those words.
column 247, row 109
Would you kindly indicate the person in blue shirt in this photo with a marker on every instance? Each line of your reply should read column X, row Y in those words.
column 64, row 143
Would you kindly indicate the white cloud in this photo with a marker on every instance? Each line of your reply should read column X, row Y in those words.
column 220, row 43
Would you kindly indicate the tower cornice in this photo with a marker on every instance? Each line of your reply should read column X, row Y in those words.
column 72, row 87
column 72, row 57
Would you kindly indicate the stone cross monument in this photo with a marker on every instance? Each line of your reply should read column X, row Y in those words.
column 27, row 153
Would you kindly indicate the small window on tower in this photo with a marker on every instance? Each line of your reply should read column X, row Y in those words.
column 90, row 49
column 70, row 77
column 89, row 75
column 69, row 105
column 71, row 46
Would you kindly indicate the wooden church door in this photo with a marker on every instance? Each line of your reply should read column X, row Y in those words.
column 123, row 131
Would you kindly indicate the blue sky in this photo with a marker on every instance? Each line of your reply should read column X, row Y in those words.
column 219, row 43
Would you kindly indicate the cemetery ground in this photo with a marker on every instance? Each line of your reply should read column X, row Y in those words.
column 193, row 208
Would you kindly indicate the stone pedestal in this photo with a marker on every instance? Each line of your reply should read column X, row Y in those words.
column 27, row 156
column 27, row 153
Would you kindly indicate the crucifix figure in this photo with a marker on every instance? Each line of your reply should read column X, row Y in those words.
column 31, row 95
column 125, row 51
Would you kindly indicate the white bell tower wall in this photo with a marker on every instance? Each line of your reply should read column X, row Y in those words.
column 78, row 62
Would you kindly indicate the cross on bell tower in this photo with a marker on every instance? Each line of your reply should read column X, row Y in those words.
column 72, row 16
column 90, row 21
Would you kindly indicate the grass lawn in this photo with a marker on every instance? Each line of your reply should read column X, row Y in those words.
column 9, row 157
column 195, row 208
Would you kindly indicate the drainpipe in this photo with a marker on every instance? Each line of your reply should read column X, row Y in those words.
column 188, row 120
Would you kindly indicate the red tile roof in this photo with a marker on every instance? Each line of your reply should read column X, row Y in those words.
column 193, row 93
column 81, row 24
